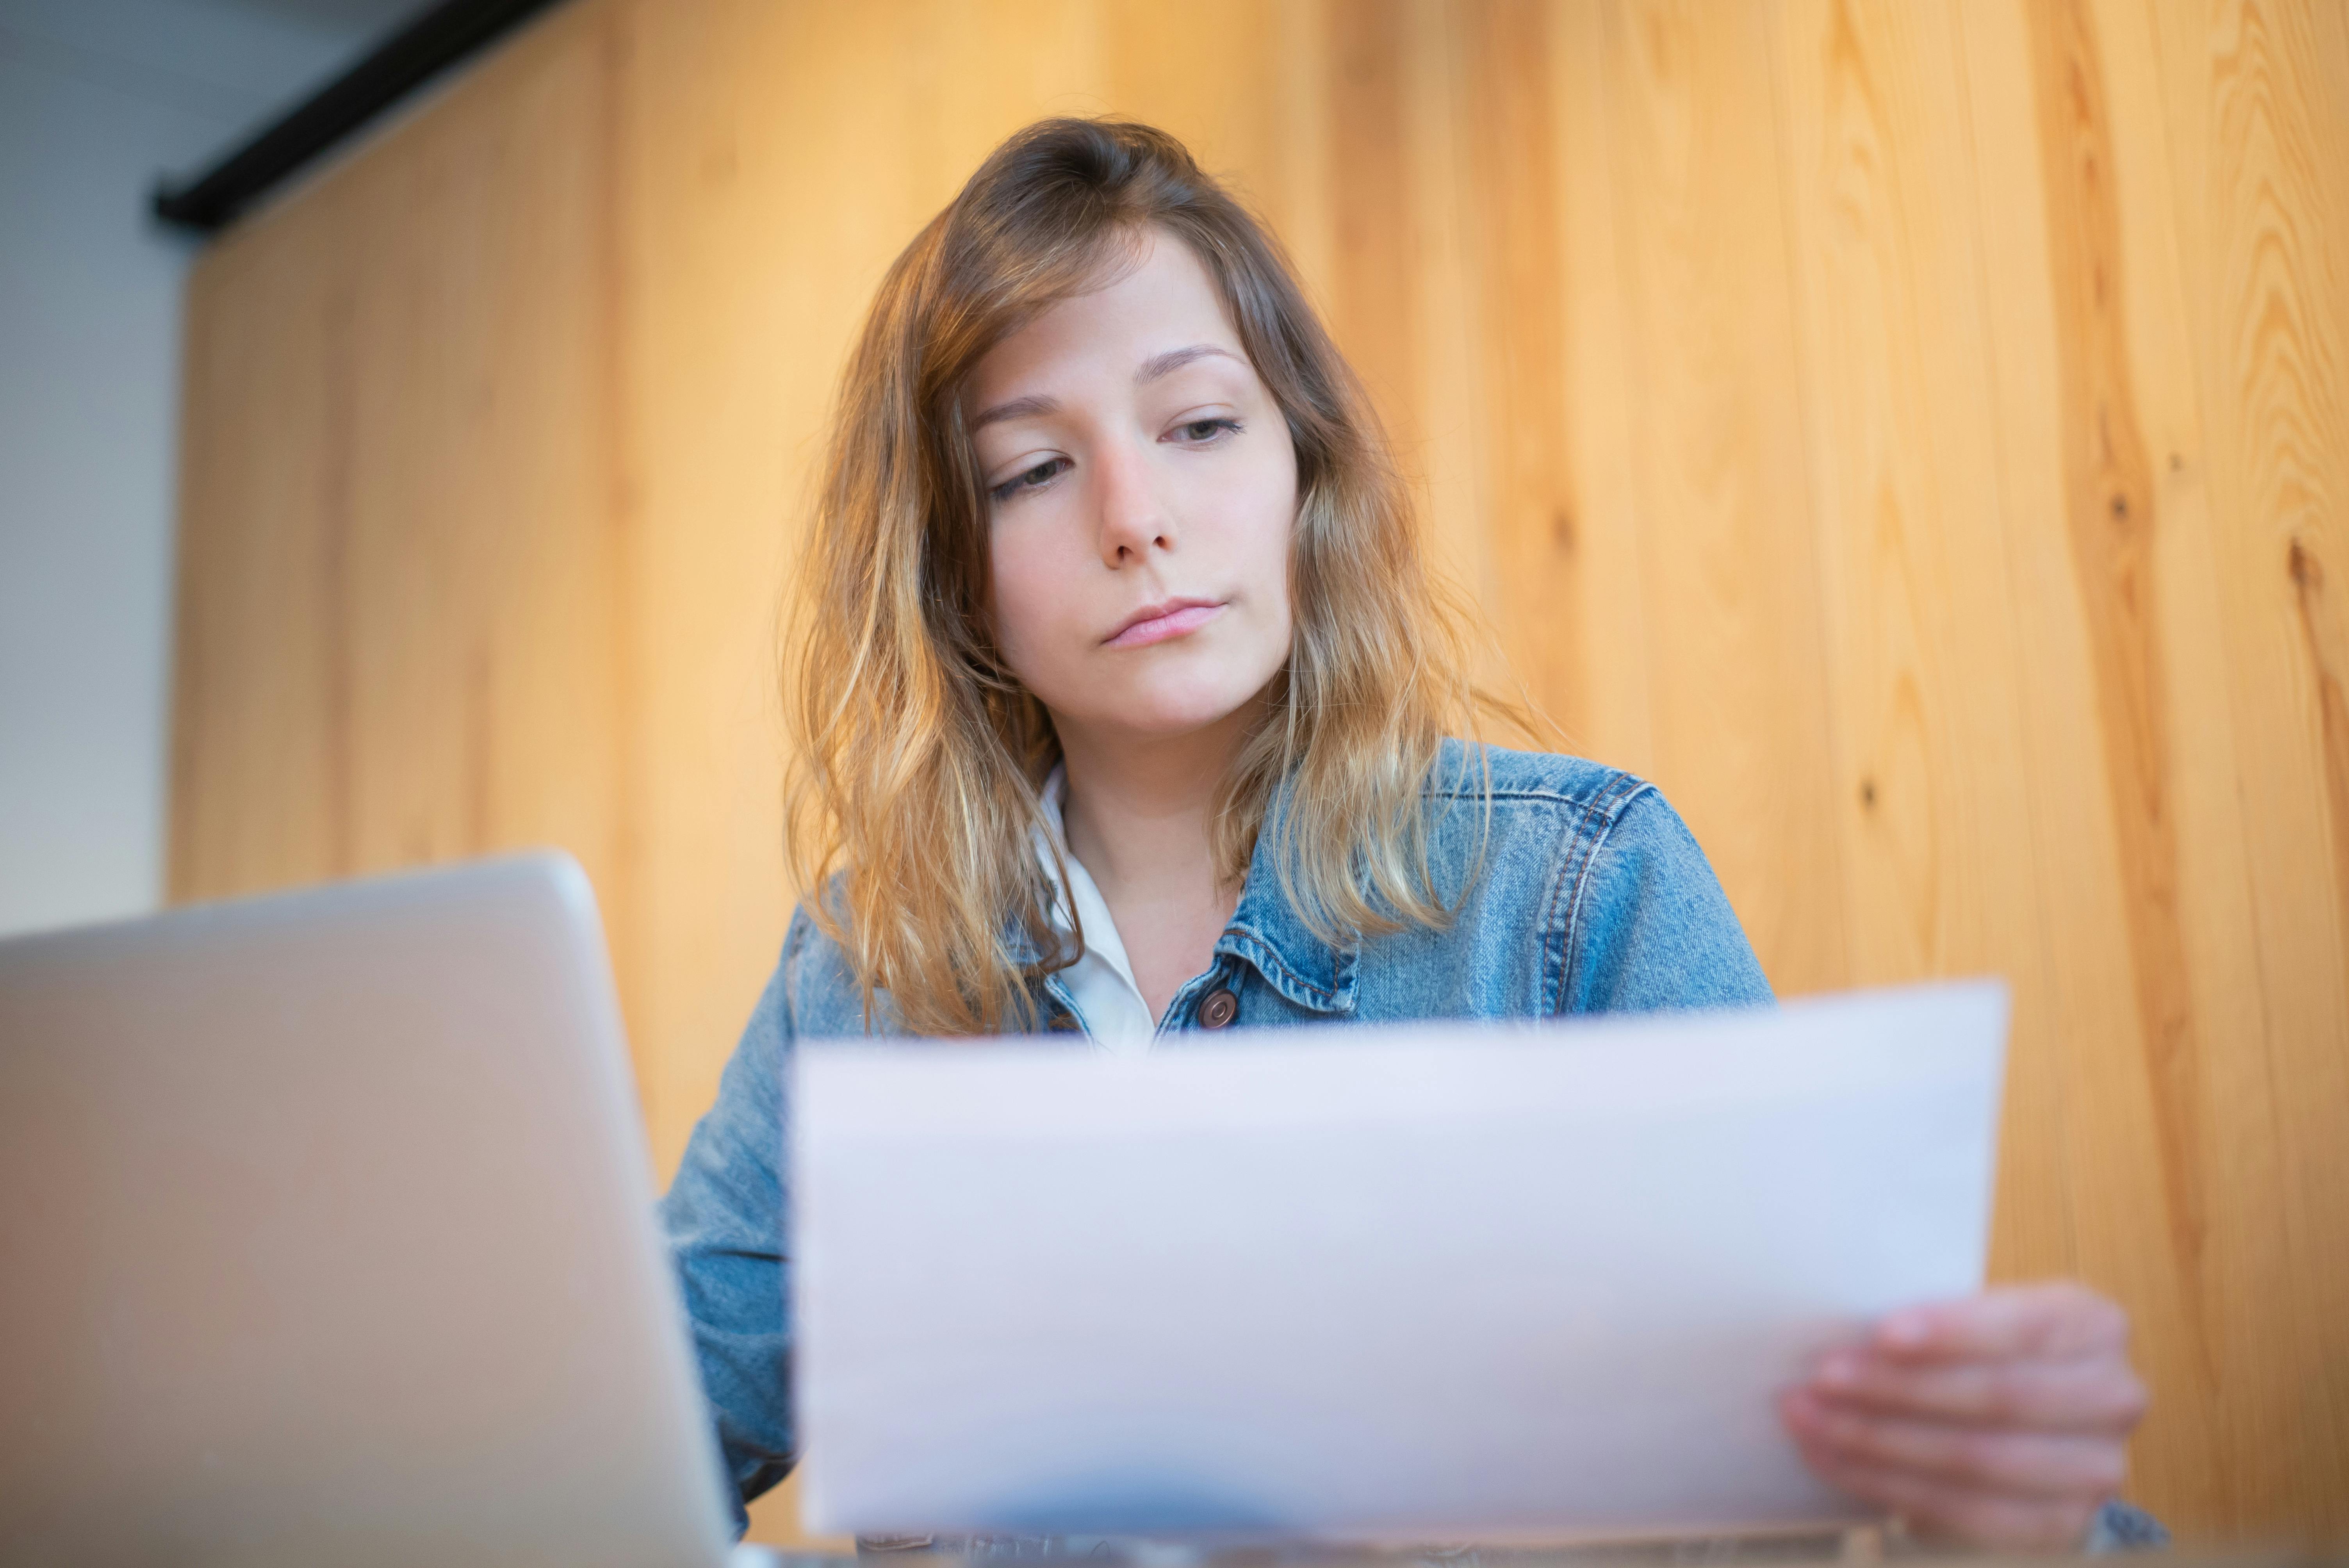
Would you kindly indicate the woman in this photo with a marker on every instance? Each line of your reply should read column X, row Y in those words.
column 1123, row 708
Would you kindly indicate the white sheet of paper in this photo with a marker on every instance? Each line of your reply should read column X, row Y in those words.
column 1428, row 1282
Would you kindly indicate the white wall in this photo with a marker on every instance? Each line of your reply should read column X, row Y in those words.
column 96, row 98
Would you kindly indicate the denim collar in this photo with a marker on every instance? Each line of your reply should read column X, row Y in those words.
column 1264, row 933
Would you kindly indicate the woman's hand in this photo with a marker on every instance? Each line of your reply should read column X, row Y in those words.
column 2000, row 1422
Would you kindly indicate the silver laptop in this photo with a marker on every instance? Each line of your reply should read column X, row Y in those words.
column 326, row 1237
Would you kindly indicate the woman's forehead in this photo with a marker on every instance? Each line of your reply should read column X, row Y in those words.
column 1162, row 302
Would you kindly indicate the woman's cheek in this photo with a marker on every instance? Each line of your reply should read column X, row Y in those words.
column 1011, row 565
column 1030, row 631
column 1014, row 637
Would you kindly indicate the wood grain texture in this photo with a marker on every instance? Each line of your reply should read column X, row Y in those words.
column 1913, row 432
column 1373, row 301
column 2111, row 518
column 2255, row 104
column 1510, row 184
column 1737, row 684
column 1934, row 807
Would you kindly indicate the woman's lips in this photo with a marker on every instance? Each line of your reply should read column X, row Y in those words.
column 1179, row 621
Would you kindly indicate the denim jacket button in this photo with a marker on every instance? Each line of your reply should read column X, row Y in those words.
column 1219, row 1008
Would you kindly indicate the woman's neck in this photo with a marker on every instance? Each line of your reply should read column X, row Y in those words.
column 1137, row 811
column 1136, row 815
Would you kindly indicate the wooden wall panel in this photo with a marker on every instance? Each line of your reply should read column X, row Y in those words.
column 1932, row 802
column 1510, row 181
column 1736, row 683
column 2256, row 105
column 424, row 473
column 1914, row 432
column 258, row 798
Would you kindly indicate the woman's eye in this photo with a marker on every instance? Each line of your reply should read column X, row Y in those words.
column 1200, row 431
column 1037, row 477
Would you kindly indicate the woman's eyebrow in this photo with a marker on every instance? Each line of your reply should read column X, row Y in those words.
column 1156, row 365
column 1016, row 408
column 1174, row 359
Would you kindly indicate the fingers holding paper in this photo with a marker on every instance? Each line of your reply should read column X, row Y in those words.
column 2002, row 1420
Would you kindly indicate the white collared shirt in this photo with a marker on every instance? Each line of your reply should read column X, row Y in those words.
column 1108, row 1003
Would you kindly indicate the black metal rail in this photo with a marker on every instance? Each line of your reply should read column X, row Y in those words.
column 440, row 38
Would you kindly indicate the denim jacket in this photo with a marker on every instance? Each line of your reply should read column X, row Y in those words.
column 1587, row 896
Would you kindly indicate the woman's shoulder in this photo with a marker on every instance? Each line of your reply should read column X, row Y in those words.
column 1568, row 786
column 814, row 991
column 1597, row 861
column 1597, row 824
column 1577, row 835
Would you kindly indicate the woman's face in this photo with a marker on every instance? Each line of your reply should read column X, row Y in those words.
column 1140, row 485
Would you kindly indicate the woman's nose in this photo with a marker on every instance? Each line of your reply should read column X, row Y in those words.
column 1134, row 518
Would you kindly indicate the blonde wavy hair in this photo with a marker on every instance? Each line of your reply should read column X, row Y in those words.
column 917, row 756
